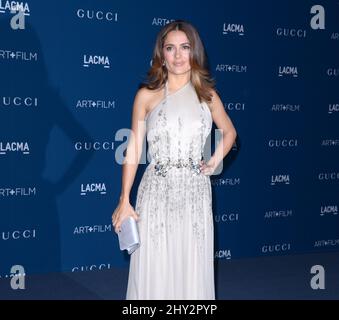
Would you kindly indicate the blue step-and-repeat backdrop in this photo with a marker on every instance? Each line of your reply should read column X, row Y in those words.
column 69, row 71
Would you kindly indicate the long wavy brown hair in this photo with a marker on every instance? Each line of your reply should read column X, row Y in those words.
column 201, row 79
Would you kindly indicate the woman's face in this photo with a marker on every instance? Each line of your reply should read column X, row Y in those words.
column 176, row 52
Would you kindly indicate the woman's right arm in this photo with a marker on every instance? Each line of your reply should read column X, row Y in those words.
column 131, row 161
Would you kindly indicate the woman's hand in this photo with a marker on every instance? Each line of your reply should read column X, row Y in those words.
column 208, row 168
column 123, row 210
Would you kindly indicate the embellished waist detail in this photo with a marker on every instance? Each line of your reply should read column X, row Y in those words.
column 161, row 167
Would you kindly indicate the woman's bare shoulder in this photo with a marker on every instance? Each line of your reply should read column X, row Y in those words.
column 148, row 93
column 148, row 98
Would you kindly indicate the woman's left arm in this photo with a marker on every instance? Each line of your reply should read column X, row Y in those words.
column 225, row 125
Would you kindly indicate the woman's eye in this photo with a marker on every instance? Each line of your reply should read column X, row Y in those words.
column 186, row 47
column 168, row 48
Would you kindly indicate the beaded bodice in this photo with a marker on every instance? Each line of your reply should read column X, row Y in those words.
column 177, row 129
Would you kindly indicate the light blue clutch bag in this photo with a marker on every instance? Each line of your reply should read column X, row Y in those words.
column 129, row 235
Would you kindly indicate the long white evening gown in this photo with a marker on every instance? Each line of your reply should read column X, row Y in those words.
column 174, row 203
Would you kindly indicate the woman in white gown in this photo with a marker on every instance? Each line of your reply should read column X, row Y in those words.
column 175, row 110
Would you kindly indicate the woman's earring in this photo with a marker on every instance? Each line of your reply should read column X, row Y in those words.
column 164, row 63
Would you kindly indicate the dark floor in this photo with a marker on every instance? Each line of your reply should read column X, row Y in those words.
column 278, row 277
